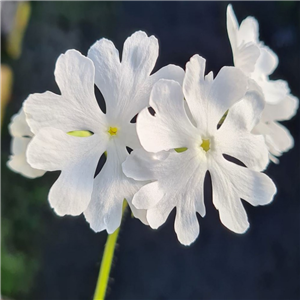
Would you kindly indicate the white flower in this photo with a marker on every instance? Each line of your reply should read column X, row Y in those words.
column 259, row 61
column 126, row 88
column 21, row 137
column 178, row 178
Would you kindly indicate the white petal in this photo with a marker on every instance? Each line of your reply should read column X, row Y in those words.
column 148, row 196
column 267, row 62
column 18, row 126
column 227, row 201
column 124, row 85
column 179, row 182
column 251, row 108
column 249, row 54
column 189, row 114
column 158, row 215
column 234, row 137
column 171, row 72
column 107, row 72
column 139, row 55
column 186, row 225
column 209, row 77
column 230, row 183
column 179, row 176
column 278, row 139
column 249, row 30
column 229, row 86
column 21, row 137
column 138, row 213
column 248, row 148
column 209, row 100
column 232, row 27
column 77, row 108
column 246, row 56
column 274, row 159
column 142, row 97
column 243, row 41
column 111, row 187
column 274, row 90
column 254, row 187
column 232, row 214
column 170, row 127
column 128, row 135
column 77, row 158
column 247, row 112
column 74, row 75
column 142, row 165
column 195, row 89
column 17, row 161
column 282, row 111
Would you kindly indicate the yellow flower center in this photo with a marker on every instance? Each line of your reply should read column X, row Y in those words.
column 113, row 130
column 205, row 145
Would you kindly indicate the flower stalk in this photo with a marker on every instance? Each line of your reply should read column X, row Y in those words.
column 106, row 262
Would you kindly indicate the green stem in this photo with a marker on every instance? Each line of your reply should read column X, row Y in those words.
column 106, row 263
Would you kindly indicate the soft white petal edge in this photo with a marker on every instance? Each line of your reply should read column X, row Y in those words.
column 125, row 85
column 245, row 54
column 230, row 183
column 209, row 99
column 17, row 161
column 170, row 127
column 179, row 183
column 282, row 111
column 111, row 187
column 76, row 108
column 235, row 137
column 77, row 158
column 279, row 139
column 18, row 126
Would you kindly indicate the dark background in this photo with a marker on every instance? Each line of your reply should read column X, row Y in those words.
column 55, row 258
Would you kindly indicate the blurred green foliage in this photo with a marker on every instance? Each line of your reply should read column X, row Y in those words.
column 23, row 202
column 19, row 261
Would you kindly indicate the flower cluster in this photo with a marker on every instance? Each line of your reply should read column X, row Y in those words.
column 188, row 124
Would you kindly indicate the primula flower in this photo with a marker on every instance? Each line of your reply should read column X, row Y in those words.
column 21, row 137
column 126, row 87
column 259, row 61
column 178, row 178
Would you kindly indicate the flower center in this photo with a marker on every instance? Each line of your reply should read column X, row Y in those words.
column 112, row 130
column 205, row 145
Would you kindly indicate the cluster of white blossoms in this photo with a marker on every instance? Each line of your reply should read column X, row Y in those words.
column 198, row 124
